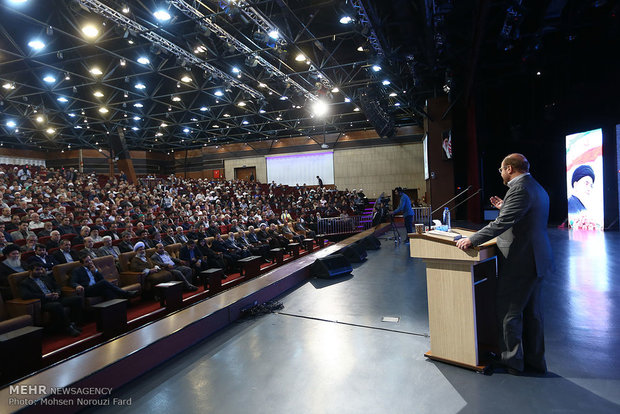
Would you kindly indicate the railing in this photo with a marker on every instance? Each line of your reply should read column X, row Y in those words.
column 422, row 215
column 343, row 225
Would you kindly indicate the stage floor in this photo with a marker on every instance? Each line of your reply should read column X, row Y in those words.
column 328, row 350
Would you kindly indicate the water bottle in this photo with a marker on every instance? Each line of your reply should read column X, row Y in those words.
column 446, row 218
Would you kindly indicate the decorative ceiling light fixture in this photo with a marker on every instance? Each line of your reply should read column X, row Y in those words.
column 162, row 15
column 36, row 44
column 95, row 71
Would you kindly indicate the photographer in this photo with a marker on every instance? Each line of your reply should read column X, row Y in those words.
column 406, row 209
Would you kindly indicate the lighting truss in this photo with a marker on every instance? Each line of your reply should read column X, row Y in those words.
column 193, row 13
column 365, row 21
column 118, row 18
column 257, row 17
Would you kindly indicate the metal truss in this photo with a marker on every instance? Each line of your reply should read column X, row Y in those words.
column 118, row 18
column 372, row 37
column 193, row 13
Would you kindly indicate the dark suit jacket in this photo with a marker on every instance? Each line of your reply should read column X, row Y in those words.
column 48, row 264
column 125, row 247
column 521, row 230
column 80, row 277
column 60, row 257
column 28, row 288
column 184, row 254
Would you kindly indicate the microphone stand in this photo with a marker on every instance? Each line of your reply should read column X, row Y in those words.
column 456, row 196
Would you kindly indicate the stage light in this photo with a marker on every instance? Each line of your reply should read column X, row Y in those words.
column 186, row 78
column 538, row 73
column 261, row 85
column 138, row 105
column 96, row 71
column 186, row 130
column 235, row 69
column 135, row 128
column 300, row 57
column 347, row 100
column 176, row 99
column 360, row 49
column 261, row 111
column 386, row 82
column 320, row 108
column 71, row 115
column 203, row 109
column 356, row 109
column 98, row 94
column 49, row 79
column 242, row 104
column 393, row 94
column 125, row 9
column 397, row 104
column 163, row 125
column 335, row 90
column 36, row 44
column 62, row 99
column 143, row 60
column 140, row 86
column 50, row 130
column 245, row 122
column 218, row 93
column 90, row 31
column 9, row 85
column 11, row 124
column 376, row 68
column 39, row 119
column 17, row 1
column 274, row 34
column 162, row 15
column 346, row 19
column 103, row 110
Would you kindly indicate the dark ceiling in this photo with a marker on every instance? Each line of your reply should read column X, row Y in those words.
column 424, row 48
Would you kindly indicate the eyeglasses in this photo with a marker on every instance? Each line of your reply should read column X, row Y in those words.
column 501, row 169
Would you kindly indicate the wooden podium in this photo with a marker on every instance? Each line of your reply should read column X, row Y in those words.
column 461, row 298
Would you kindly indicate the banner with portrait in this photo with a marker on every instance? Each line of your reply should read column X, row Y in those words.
column 584, row 180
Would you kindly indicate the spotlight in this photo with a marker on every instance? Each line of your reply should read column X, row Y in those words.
column 385, row 82
column 162, row 15
column 300, row 57
column 319, row 108
column 274, row 34
column 218, row 93
column 36, row 44
column 49, row 79
column 140, row 86
column 143, row 60
column 346, row 19
column 376, row 68
column 90, row 31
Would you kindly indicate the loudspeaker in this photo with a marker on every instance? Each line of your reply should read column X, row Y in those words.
column 354, row 253
column 331, row 266
column 370, row 243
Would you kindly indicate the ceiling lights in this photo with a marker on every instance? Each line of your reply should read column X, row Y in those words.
column 140, row 86
column 98, row 94
column 143, row 60
column 346, row 19
column 103, row 110
column 96, row 71
column 90, row 31
column 186, row 78
column 36, row 44
column 162, row 15
column 49, row 79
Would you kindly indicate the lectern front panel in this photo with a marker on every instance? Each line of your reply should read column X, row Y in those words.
column 451, row 311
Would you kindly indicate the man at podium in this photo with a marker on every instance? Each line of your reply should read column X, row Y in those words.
column 524, row 258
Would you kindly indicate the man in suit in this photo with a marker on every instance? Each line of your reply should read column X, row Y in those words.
column 153, row 273
column 41, row 286
column 169, row 239
column 42, row 258
column 180, row 272
column 107, row 249
column 65, row 254
column 54, row 240
column 190, row 254
column 180, row 237
column 89, row 280
column 22, row 232
column 125, row 245
column 524, row 259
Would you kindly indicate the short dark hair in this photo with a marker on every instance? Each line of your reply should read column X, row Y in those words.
column 82, row 256
column 40, row 246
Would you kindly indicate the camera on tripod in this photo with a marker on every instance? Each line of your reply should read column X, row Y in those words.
column 382, row 210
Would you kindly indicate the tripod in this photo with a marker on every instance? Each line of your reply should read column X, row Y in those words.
column 395, row 232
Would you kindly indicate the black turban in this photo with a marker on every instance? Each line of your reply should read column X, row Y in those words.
column 580, row 172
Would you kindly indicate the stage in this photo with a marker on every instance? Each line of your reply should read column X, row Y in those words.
column 328, row 350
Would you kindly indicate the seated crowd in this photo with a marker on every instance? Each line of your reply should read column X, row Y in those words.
column 50, row 218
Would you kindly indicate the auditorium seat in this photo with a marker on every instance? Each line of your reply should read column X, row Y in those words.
column 9, row 321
